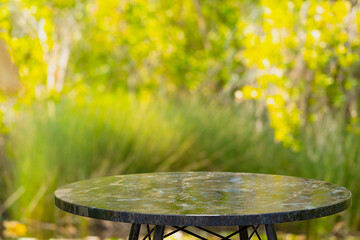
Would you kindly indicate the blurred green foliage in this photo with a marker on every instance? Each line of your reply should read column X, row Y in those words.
column 113, row 87
column 298, row 58
column 135, row 45
column 64, row 142
column 305, row 59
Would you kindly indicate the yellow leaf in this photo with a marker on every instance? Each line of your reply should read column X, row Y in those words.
column 14, row 229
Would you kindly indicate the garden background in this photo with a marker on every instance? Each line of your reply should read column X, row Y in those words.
column 92, row 88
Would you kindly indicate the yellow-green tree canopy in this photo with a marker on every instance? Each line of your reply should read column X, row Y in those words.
column 304, row 60
column 298, row 58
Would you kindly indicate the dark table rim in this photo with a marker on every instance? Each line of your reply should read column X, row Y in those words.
column 203, row 220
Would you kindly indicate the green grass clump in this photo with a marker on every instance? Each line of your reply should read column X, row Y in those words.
column 54, row 143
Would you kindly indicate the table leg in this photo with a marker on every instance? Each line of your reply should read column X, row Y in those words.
column 270, row 232
column 134, row 232
column 243, row 234
column 159, row 232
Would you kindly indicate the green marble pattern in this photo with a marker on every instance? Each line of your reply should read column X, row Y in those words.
column 202, row 194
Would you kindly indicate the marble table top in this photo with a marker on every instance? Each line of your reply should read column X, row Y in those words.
column 202, row 198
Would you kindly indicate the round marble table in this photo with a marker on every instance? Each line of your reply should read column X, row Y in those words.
column 182, row 199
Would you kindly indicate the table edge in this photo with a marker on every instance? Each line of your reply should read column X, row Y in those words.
column 202, row 220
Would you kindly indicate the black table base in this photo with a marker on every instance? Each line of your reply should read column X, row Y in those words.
column 158, row 232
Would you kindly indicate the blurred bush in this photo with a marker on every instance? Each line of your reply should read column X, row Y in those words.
column 57, row 143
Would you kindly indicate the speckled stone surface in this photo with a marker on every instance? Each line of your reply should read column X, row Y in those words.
column 202, row 198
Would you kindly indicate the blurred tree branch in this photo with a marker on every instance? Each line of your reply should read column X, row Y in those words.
column 9, row 74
